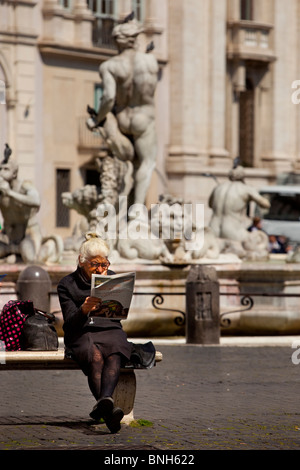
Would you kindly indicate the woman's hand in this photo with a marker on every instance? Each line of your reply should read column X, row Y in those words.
column 90, row 304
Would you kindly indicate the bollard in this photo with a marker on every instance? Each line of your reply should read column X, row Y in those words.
column 202, row 306
column 34, row 284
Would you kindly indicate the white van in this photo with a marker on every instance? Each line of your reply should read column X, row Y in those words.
column 283, row 217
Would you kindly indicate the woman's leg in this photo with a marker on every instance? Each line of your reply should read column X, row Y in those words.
column 95, row 372
column 103, row 378
column 103, row 407
column 110, row 375
column 104, row 374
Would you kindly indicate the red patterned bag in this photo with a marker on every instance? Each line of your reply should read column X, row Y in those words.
column 12, row 319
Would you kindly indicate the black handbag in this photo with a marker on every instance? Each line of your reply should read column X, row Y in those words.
column 39, row 333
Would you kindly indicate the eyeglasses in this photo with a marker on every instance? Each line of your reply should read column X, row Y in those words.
column 99, row 265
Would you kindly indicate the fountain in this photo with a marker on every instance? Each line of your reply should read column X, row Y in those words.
column 160, row 244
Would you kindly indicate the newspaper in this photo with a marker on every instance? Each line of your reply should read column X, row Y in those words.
column 115, row 292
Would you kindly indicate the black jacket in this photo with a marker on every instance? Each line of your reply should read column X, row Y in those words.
column 72, row 291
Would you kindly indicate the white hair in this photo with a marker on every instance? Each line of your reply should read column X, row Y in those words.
column 92, row 246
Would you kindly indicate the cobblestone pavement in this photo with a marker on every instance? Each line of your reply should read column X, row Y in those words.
column 197, row 398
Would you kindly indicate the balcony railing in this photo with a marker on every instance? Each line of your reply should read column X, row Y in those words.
column 102, row 33
column 249, row 40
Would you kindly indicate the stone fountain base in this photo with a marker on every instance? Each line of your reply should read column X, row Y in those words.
column 158, row 305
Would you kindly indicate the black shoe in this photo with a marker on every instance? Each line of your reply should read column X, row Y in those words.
column 113, row 422
column 103, row 408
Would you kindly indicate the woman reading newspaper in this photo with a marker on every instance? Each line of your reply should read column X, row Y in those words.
column 99, row 347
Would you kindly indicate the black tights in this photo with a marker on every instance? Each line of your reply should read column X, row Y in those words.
column 104, row 374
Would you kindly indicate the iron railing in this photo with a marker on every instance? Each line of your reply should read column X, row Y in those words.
column 158, row 299
column 246, row 302
column 102, row 32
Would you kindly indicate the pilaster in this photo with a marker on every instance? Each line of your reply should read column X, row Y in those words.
column 283, row 113
column 219, row 155
column 189, row 78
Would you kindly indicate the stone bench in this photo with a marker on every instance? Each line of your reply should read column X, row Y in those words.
column 125, row 391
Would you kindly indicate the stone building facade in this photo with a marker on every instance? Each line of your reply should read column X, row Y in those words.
column 227, row 72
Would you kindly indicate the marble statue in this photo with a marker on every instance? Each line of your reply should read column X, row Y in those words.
column 126, row 114
column 115, row 177
column 126, row 121
column 21, row 235
column 83, row 200
column 229, row 222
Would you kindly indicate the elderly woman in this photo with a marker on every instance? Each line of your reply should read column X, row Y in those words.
column 99, row 348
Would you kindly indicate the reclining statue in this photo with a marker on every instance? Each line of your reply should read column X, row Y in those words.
column 19, row 204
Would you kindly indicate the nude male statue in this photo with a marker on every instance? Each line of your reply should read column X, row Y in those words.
column 19, row 203
column 127, row 111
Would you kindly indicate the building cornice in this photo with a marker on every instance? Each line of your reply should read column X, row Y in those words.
column 88, row 54
column 193, row 165
column 77, row 52
column 29, row 3
column 17, row 37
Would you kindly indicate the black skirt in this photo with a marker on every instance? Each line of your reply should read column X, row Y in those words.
column 108, row 341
